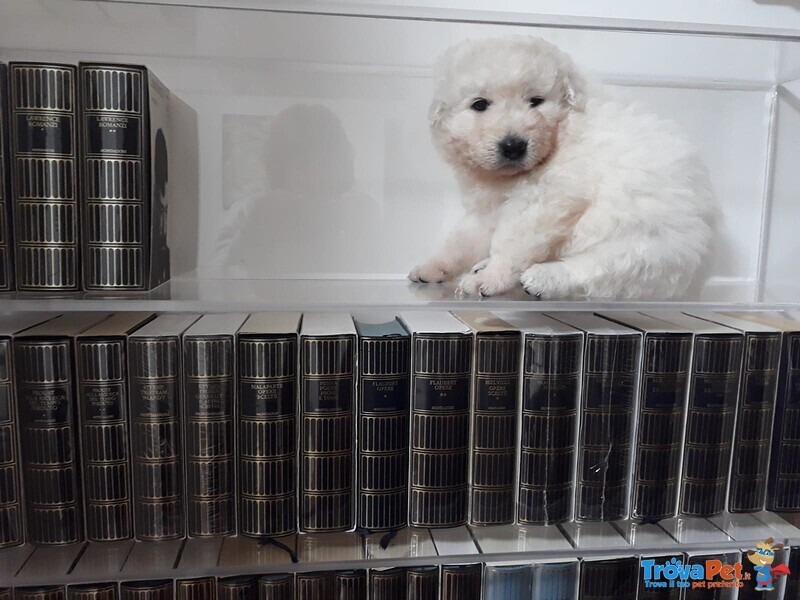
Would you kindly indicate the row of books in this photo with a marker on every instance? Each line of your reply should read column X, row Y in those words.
column 83, row 177
column 132, row 425
column 591, row 579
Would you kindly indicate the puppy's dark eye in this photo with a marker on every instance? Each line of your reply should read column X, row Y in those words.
column 536, row 101
column 480, row 105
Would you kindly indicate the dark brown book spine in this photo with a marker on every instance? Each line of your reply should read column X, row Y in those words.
column 616, row 579
column 461, row 582
column 327, row 441
column 55, row 592
column 611, row 366
column 657, row 458
column 156, row 448
column 103, row 591
column 44, row 175
column 495, row 416
column 6, row 243
column 47, row 421
column 11, row 507
column 276, row 587
column 237, row 588
column 550, row 399
column 163, row 589
column 658, row 593
column 784, row 468
column 757, row 394
column 267, row 435
column 440, row 416
column 209, row 409
column 316, row 586
column 388, row 584
column 350, row 585
column 423, row 583
column 105, row 447
column 710, row 418
column 384, row 395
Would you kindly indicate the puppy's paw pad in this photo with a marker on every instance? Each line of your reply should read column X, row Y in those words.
column 485, row 283
column 545, row 281
column 479, row 266
column 429, row 273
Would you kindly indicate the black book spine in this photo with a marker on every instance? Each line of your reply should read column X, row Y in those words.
column 237, row 588
column 551, row 394
column 784, row 467
column 44, row 176
column 616, row 579
column 116, row 175
column 653, row 593
column 327, row 437
column 423, row 583
column 45, row 392
column 792, row 591
column 555, row 581
column 92, row 591
column 440, row 415
column 162, row 589
column 461, row 582
column 315, row 586
column 384, row 397
column 495, row 415
column 11, row 507
column 276, row 587
column 5, row 593
column 757, row 393
column 710, row 416
column 156, row 449
column 267, row 435
column 606, row 429
column 350, row 585
column 388, row 584
column 55, row 592
column 699, row 593
column 657, row 458
column 105, row 448
column 203, row 588
column 209, row 435
column 6, row 255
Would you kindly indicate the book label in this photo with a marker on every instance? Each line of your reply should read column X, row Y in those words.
column 384, row 395
column 113, row 134
column 102, row 402
column 328, row 395
column 267, row 398
column 441, row 394
column 44, row 133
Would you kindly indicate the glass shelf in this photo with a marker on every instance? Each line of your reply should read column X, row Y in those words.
column 186, row 559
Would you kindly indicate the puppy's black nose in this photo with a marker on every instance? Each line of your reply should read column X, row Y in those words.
column 513, row 147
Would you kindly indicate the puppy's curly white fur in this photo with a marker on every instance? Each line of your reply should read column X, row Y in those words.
column 566, row 190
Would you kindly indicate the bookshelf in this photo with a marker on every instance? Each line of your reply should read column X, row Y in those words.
column 244, row 70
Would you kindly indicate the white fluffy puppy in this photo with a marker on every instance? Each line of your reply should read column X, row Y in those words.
column 566, row 190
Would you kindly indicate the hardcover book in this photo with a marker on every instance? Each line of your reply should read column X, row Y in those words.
column 53, row 592
column 609, row 396
column 103, row 411
column 5, row 593
column 461, row 582
column 663, row 393
column 315, row 586
column 155, row 371
column 44, row 175
column 388, row 584
column 658, row 593
column 350, row 585
column 423, row 583
column 698, row 593
column 495, row 414
column 208, row 393
column 6, row 255
column 509, row 582
column 327, row 438
column 45, row 378
column 276, row 587
column 609, row 579
column 783, row 487
column 161, row 589
column 92, row 591
column 440, row 415
column 556, row 579
column 267, row 424
column 203, row 588
column 758, row 388
column 384, row 369
column 125, row 184
column 710, row 414
column 552, row 357
column 12, row 523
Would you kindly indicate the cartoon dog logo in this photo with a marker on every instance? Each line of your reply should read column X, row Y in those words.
column 762, row 558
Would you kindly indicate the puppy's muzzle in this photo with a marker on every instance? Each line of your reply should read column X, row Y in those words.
column 512, row 147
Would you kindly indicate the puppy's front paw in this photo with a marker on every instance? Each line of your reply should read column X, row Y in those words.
column 487, row 282
column 430, row 272
column 548, row 280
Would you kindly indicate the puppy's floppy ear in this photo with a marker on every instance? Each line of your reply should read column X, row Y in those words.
column 436, row 112
column 573, row 85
